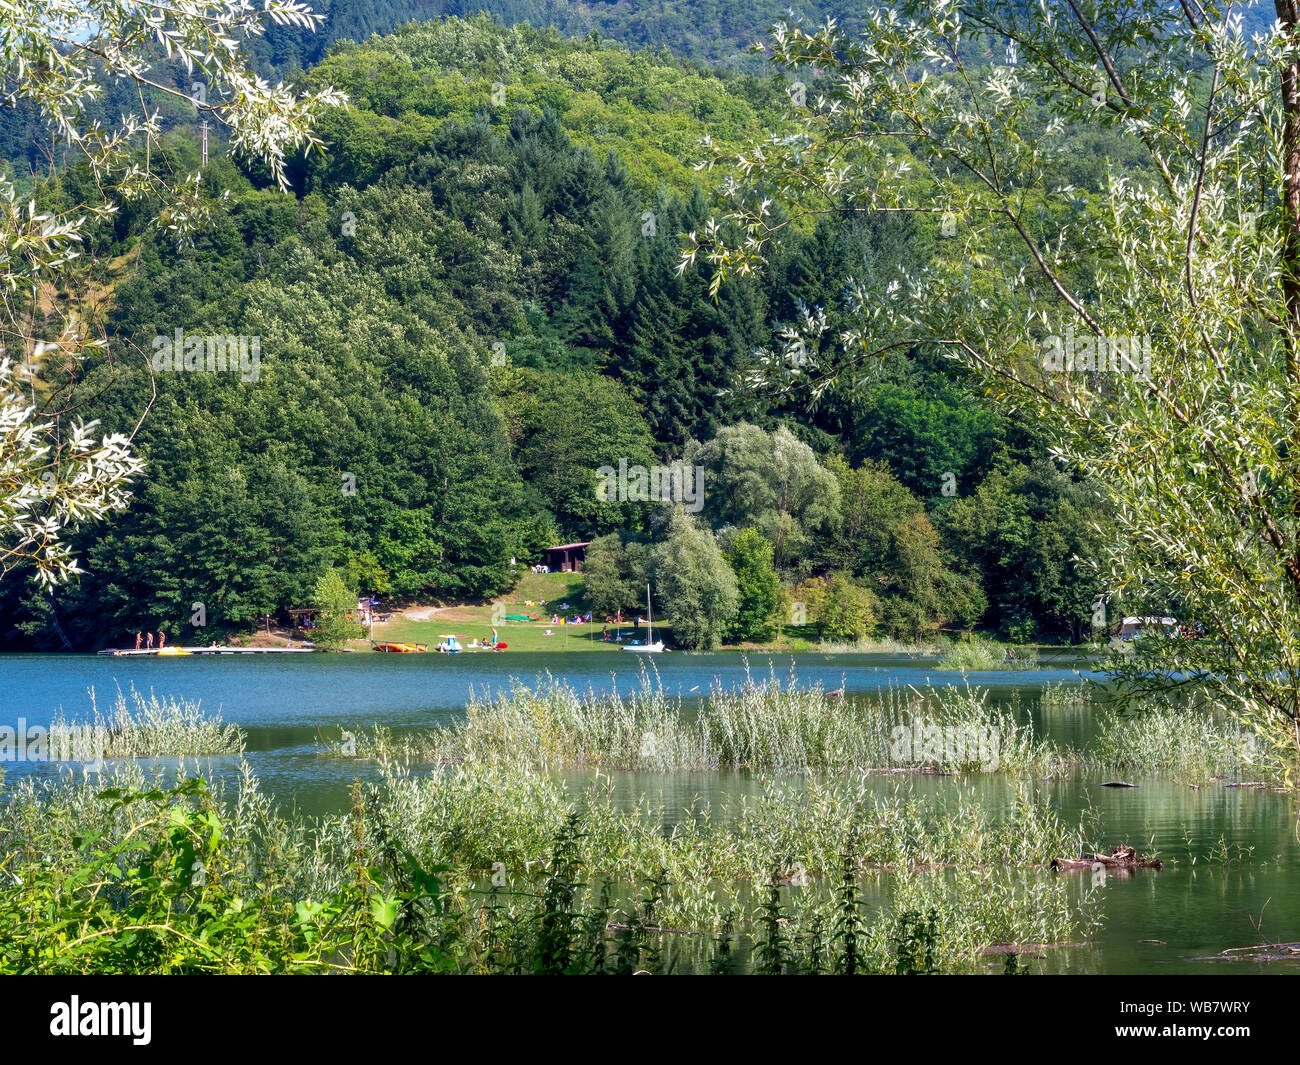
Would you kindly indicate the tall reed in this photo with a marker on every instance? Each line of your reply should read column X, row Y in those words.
column 761, row 725
column 153, row 727
column 1190, row 745
column 488, row 868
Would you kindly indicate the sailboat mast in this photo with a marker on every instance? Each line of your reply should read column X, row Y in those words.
column 650, row 618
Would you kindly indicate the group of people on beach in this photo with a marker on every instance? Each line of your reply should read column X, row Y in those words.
column 577, row 619
column 145, row 640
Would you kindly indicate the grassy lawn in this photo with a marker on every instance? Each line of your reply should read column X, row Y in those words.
column 521, row 636
column 564, row 593
column 475, row 621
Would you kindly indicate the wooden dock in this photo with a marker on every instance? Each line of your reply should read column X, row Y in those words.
column 181, row 652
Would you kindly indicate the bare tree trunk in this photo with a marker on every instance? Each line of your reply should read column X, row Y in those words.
column 1288, row 13
column 54, row 620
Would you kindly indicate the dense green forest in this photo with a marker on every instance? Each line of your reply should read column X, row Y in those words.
column 717, row 31
column 720, row 32
column 471, row 304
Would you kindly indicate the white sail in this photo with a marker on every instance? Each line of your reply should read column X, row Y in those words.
column 651, row 645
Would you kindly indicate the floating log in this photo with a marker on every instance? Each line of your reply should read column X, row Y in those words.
column 1264, row 952
column 1121, row 860
column 1117, row 784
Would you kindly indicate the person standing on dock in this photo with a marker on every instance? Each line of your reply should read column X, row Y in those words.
column 162, row 639
column 138, row 640
column 148, row 641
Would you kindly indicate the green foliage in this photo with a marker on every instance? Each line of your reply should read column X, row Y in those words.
column 772, row 953
column 1186, row 744
column 138, row 877
column 1154, row 349
column 614, row 574
column 842, row 609
column 929, row 594
column 169, row 898
column 151, row 727
column 720, row 31
column 974, row 653
column 557, row 930
column 914, row 940
column 770, row 481
column 848, row 915
column 757, row 585
column 651, row 110
column 61, row 472
column 873, row 504
column 1025, row 536
column 569, row 426
column 336, row 603
column 693, row 581
column 923, row 436
column 760, row 725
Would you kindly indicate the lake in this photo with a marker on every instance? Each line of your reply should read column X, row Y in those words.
column 287, row 703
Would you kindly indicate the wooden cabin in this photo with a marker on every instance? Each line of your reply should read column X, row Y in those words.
column 567, row 558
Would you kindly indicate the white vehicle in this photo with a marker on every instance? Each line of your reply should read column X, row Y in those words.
column 1130, row 628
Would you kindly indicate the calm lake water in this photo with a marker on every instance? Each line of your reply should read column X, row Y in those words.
column 287, row 703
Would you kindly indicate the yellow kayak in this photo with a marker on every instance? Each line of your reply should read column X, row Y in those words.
column 173, row 651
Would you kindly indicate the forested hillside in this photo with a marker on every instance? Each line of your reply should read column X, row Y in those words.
column 717, row 31
column 471, row 304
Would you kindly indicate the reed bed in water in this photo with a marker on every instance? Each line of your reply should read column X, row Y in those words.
column 760, row 725
column 1075, row 698
column 981, row 655
column 150, row 727
column 1187, row 745
column 884, row 646
column 1190, row 744
column 493, row 863
column 492, row 868
column 485, row 816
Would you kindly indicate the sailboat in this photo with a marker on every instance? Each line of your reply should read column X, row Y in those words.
column 651, row 646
